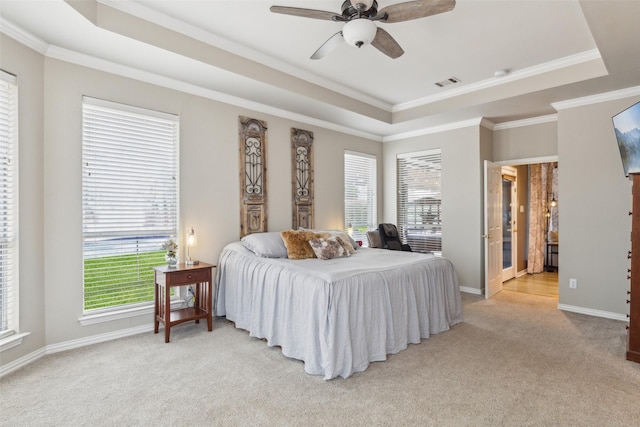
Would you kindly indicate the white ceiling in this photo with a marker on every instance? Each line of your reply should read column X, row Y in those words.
column 239, row 52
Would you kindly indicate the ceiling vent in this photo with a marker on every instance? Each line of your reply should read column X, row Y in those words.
column 449, row 81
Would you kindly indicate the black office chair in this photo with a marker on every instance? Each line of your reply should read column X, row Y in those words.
column 391, row 239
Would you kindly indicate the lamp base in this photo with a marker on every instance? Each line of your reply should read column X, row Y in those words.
column 191, row 262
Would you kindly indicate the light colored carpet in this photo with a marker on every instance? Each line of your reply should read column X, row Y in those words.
column 515, row 361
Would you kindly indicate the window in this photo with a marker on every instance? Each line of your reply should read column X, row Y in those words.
column 360, row 204
column 129, row 200
column 419, row 200
column 8, row 204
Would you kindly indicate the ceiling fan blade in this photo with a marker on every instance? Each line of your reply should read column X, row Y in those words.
column 416, row 9
column 305, row 13
column 387, row 44
column 328, row 46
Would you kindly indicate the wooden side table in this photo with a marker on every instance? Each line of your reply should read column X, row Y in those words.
column 199, row 276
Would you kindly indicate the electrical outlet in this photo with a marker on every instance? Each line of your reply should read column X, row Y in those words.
column 573, row 283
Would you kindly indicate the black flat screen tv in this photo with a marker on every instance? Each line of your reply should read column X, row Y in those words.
column 627, row 127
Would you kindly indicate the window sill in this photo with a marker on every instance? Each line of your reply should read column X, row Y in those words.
column 92, row 319
column 12, row 341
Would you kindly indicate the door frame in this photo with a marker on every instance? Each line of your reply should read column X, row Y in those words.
column 514, row 162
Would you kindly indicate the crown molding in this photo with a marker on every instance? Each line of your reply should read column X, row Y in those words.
column 478, row 121
column 526, row 122
column 88, row 61
column 545, row 67
column 595, row 99
column 20, row 35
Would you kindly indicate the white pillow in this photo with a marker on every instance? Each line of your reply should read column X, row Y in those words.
column 266, row 245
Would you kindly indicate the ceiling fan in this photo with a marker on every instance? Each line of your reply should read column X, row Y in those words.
column 359, row 17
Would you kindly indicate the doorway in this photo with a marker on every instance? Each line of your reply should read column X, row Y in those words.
column 515, row 229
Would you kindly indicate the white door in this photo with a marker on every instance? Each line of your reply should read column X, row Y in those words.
column 492, row 229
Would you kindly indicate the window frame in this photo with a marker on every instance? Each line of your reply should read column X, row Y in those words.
column 10, row 334
column 144, row 238
column 370, row 168
column 423, row 234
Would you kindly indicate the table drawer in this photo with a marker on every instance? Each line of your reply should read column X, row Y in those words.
column 189, row 276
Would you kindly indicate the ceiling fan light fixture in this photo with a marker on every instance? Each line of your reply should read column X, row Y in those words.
column 359, row 32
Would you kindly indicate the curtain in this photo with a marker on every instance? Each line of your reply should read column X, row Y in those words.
column 540, row 186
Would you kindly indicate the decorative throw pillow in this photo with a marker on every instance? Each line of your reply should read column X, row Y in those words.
column 329, row 248
column 297, row 244
column 344, row 239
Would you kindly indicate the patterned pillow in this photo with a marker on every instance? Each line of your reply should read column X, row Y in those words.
column 329, row 248
column 344, row 239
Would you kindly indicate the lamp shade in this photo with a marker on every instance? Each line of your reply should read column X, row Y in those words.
column 192, row 241
column 358, row 32
column 192, row 238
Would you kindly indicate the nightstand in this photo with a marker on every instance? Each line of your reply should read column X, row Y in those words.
column 199, row 276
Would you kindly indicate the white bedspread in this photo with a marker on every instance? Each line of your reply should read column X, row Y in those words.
column 338, row 315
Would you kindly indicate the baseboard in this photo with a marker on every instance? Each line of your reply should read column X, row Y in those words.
column 593, row 312
column 70, row 345
column 469, row 290
column 23, row 361
column 521, row 273
column 95, row 339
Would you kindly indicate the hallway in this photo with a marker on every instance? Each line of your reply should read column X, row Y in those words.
column 543, row 284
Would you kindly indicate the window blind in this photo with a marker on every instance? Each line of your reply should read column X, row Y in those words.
column 419, row 200
column 8, row 204
column 360, row 202
column 129, row 200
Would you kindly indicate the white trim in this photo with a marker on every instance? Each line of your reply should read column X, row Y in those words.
column 527, row 161
column 70, row 345
column 151, row 78
column 437, row 129
column 595, row 99
column 108, row 316
column 12, row 341
column 21, row 36
column 22, row 362
column 95, row 339
column 593, row 312
column 558, row 64
column 526, row 122
column 469, row 290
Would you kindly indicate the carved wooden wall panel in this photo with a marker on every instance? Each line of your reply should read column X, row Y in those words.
column 253, row 175
column 302, row 178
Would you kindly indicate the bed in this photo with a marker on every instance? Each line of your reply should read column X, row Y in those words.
column 340, row 314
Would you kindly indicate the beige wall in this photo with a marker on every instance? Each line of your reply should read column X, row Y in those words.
column 28, row 66
column 51, row 284
column 462, row 153
column 594, row 200
column 525, row 142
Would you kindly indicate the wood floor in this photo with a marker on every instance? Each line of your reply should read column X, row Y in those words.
column 545, row 284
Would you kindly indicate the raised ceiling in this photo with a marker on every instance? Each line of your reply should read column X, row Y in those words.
column 239, row 52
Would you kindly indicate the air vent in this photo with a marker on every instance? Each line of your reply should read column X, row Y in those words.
column 449, row 81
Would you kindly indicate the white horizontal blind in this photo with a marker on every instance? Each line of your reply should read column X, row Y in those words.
column 419, row 200
column 129, row 200
column 8, row 204
column 360, row 201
